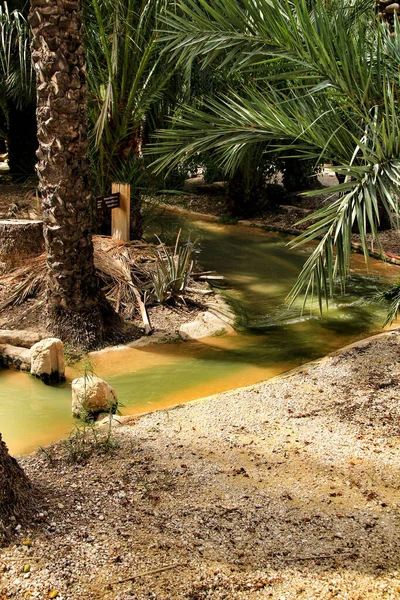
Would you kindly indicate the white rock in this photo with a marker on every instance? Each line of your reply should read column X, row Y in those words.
column 92, row 395
column 47, row 360
column 205, row 325
column 20, row 337
column 15, row 357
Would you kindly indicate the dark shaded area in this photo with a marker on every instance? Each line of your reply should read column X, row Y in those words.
column 92, row 328
column 22, row 141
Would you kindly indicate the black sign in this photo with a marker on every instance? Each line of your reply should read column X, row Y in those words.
column 107, row 202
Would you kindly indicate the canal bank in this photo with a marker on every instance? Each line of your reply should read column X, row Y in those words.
column 258, row 271
column 288, row 487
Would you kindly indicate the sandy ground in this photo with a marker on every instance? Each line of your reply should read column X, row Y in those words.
column 286, row 489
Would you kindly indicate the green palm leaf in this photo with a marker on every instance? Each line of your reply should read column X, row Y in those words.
column 321, row 82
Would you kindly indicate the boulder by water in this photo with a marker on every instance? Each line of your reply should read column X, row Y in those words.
column 15, row 357
column 91, row 396
column 47, row 360
column 20, row 337
column 206, row 325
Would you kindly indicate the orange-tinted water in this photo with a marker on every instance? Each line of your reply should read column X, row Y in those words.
column 259, row 271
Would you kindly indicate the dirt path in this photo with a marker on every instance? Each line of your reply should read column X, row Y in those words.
column 287, row 489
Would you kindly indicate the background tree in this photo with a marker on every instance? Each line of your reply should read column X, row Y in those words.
column 133, row 88
column 17, row 91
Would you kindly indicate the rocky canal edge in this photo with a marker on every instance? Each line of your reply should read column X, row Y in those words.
column 43, row 356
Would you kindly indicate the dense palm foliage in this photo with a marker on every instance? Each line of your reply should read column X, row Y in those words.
column 321, row 83
column 17, row 90
column 130, row 84
column 17, row 78
column 131, row 87
column 311, row 79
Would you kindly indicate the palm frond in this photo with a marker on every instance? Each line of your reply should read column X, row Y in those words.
column 15, row 60
column 325, row 86
column 127, row 77
column 391, row 297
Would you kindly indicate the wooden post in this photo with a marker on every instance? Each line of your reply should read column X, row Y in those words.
column 120, row 217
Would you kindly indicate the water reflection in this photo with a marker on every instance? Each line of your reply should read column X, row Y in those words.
column 259, row 270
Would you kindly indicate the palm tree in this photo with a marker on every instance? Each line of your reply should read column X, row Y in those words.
column 77, row 309
column 132, row 88
column 325, row 86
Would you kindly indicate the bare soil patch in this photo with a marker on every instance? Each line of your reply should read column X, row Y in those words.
column 287, row 489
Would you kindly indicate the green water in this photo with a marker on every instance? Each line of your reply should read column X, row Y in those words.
column 259, row 270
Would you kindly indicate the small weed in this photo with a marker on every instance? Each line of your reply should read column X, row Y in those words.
column 72, row 356
column 86, row 439
column 49, row 453
column 86, row 367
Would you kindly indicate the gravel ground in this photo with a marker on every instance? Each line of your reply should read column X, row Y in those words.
column 287, row 489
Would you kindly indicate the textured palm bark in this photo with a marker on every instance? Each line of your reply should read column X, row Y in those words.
column 77, row 309
column 17, row 496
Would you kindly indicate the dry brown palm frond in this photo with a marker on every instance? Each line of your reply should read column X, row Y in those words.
column 121, row 267
column 26, row 281
column 126, row 272
column 117, row 265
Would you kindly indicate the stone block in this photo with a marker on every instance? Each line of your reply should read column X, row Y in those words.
column 206, row 325
column 20, row 337
column 19, row 239
column 47, row 360
column 15, row 358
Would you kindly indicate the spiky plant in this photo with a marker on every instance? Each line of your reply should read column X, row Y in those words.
column 173, row 269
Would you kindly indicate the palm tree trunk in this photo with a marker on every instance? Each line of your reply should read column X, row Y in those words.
column 77, row 310
column 16, row 492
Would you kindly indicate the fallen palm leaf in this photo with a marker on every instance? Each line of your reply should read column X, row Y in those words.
column 126, row 272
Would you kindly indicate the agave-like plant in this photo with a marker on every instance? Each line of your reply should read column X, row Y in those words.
column 323, row 84
column 173, row 269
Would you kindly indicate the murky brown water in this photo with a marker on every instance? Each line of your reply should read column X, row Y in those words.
column 259, row 270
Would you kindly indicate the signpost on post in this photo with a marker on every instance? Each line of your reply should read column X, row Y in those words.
column 107, row 202
column 119, row 202
column 120, row 217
